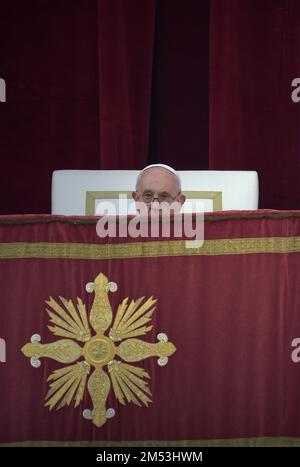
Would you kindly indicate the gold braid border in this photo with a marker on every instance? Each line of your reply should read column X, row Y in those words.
column 236, row 246
column 232, row 442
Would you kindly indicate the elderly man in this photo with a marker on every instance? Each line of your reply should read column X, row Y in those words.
column 158, row 183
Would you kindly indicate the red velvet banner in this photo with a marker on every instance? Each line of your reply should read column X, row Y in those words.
column 230, row 308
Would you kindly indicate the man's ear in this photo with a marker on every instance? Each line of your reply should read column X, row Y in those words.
column 181, row 198
column 135, row 195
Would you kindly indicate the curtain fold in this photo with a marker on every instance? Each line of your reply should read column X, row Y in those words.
column 115, row 84
column 254, row 125
column 50, row 121
column 125, row 38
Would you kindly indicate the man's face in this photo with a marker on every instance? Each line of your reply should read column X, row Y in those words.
column 158, row 185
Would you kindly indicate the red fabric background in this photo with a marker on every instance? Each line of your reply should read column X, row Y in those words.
column 115, row 84
column 254, row 125
column 231, row 317
column 126, row 36
column 48, row 58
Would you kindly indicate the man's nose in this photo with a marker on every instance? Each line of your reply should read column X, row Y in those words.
column 155, row 204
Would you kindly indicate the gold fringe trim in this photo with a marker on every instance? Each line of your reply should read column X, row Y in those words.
column 234, row 442
column 236, row 246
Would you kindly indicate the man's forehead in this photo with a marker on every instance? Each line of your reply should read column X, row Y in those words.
column 157, row 179
column 156, row 174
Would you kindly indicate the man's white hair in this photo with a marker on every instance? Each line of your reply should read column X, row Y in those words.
column 163, row 166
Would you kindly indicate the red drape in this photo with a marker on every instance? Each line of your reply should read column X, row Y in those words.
column 231, row 308
column 86, row 89
column 254, row 125
column 126, row 35
column 119, row 83
column 48, row 58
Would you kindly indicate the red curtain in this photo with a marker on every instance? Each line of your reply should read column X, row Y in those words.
column 48, row 58
column 231, row 308
column 254, row 125
column 126, row 35
column 87, row 90
column 118, row 83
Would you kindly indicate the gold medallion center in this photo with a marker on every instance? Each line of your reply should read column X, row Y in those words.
column 99, row 351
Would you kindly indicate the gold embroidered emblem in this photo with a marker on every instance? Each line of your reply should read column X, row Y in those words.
column 71, row 322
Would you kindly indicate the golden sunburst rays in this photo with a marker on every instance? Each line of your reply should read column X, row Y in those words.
column 128, row 381
column 68, row 383
column 131, row 319
column 68, row 322
column 72, row 322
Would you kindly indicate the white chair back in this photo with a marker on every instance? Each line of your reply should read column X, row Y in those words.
column 78, row 192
